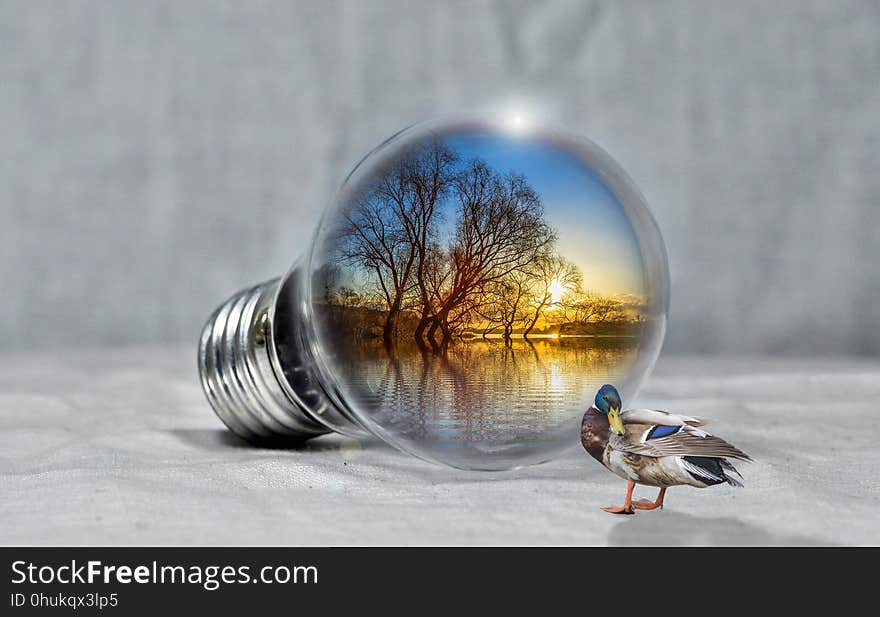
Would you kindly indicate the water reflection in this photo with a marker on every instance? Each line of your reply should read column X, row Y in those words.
column 484, row 394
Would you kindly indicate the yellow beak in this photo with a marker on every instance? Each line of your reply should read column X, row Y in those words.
column 615, row 422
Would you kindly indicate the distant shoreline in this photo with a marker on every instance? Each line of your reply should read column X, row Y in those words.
column 551, row 336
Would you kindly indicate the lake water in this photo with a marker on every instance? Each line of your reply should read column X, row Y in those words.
column 485, row 403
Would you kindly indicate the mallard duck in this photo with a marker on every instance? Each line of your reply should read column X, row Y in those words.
column 655, row 448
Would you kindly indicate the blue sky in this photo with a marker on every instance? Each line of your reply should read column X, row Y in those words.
column 594, row 233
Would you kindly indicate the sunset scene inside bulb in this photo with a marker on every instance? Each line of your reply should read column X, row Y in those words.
column 474, row 286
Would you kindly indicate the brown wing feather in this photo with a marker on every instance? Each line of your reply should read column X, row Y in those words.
column 682, row 443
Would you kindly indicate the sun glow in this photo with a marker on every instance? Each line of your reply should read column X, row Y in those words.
column 517, row 121
column 556, row 290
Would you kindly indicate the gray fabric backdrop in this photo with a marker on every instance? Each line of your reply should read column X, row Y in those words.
column 156, row 156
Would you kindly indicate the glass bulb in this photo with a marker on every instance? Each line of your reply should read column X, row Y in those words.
column 471, row 286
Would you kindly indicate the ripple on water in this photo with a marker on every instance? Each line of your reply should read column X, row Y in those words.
column 486, row 391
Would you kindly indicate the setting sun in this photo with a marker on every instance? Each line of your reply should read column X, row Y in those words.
column 556, row 290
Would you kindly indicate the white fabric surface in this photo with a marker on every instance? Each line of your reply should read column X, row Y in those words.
column 119, row 447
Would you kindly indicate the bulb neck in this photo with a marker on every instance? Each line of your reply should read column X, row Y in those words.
column 257, row 377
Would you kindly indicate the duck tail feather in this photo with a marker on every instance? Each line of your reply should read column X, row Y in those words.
column 733, row 477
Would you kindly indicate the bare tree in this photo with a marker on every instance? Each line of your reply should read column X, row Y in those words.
column 500, row 230
column 389, row 229
column 496, row 266
column 552, row 273
column 591, row 307
column 430, row 179
column 375, row 239
column 507, row 303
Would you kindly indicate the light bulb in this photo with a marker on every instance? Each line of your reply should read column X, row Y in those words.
column 472, row 284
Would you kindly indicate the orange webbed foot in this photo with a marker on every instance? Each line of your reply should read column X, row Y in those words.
column 627, row 507
column 613, row 509
column 645, row 504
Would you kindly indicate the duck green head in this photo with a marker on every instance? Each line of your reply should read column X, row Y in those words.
column 608, row 402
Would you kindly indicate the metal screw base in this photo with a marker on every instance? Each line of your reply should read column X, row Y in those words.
column 245, row 382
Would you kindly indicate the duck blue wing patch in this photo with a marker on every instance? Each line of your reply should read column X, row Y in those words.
column 662, row 431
